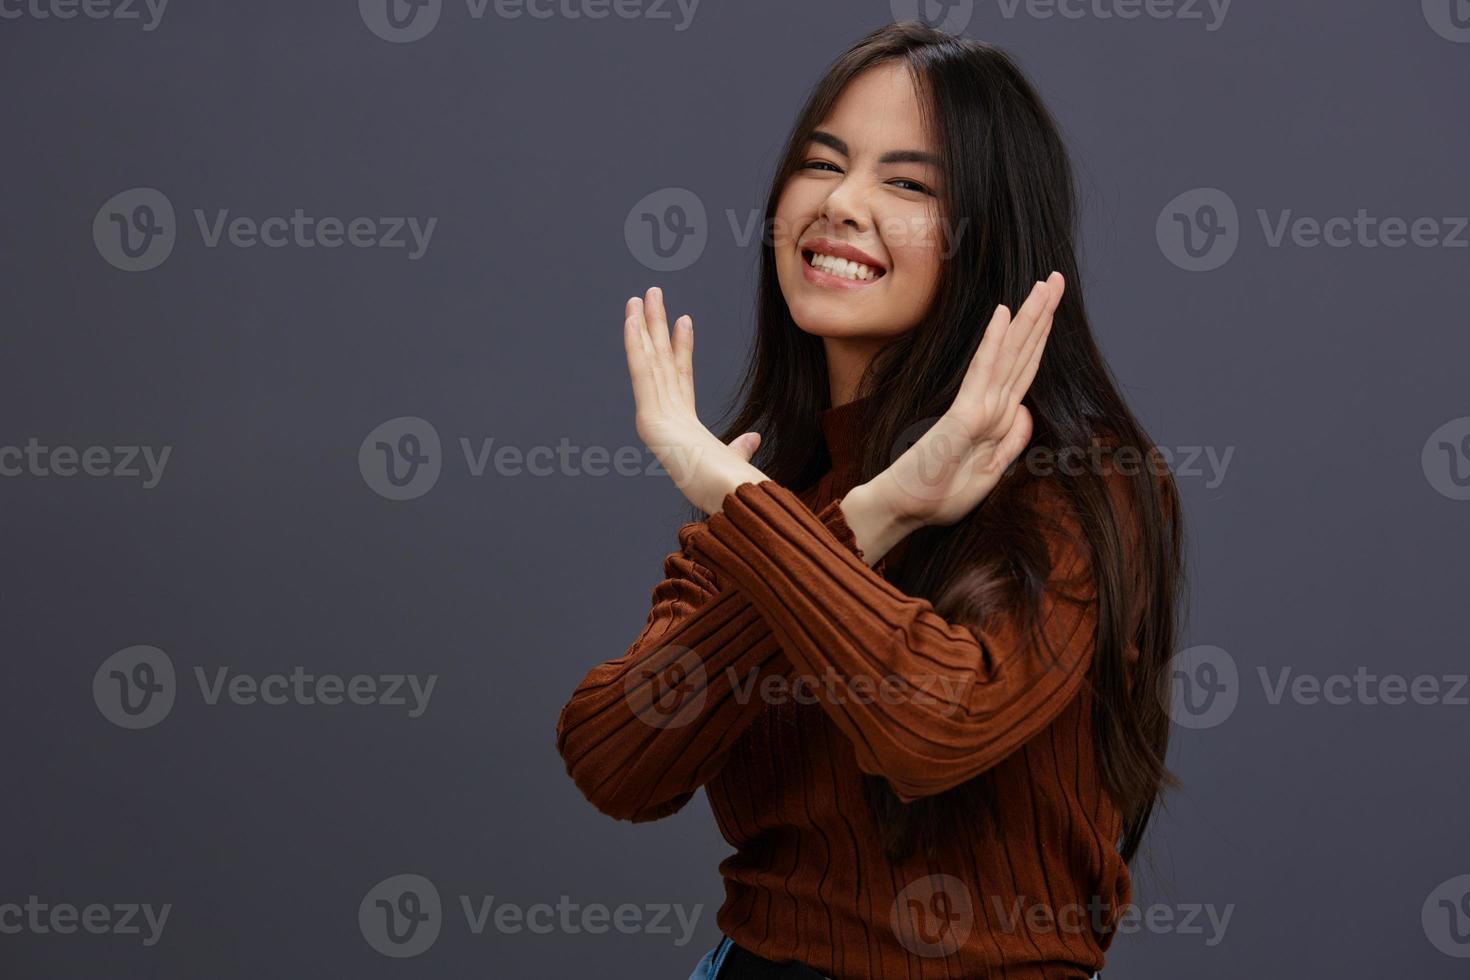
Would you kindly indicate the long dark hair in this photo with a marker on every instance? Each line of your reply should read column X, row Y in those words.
column 1006, row 169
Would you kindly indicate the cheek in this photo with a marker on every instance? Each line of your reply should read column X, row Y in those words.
column 918, row 265
column 795, row 210
column 912, row 231
column 783, row 210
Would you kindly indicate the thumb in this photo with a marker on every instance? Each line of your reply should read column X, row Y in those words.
column 746, row 444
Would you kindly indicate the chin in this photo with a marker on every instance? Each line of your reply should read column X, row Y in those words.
column 836, row 325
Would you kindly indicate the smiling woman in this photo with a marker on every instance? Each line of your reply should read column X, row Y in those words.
column 872, row 164
column 923, row 688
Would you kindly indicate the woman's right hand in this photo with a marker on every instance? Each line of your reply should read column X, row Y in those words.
column 662, row 375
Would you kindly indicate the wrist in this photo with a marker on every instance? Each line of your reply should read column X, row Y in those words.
column 726, row 482
column 876, row 525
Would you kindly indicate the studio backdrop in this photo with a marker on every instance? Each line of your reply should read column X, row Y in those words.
column 320, row 488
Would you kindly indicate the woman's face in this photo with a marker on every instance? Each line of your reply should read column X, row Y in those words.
column 868, row 182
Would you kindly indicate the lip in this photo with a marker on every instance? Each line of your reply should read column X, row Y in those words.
column 817, row 277
column 842, row 250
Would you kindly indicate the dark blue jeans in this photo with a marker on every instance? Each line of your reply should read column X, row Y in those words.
column 708, row 968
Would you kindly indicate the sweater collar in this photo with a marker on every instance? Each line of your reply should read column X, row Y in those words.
column 842, row 431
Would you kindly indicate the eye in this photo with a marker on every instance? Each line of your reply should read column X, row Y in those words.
column 813, row 164
column 915, row 185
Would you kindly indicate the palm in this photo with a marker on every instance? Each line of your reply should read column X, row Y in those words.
column 662, row 373
column 960, row 459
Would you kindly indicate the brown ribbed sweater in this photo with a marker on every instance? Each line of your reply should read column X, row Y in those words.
column 773, row 588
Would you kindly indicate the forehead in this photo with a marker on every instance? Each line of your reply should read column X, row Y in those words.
column 879, row 110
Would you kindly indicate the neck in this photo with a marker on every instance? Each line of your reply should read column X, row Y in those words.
column 847, row 359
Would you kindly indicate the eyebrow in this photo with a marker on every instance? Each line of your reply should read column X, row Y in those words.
column 893, row 156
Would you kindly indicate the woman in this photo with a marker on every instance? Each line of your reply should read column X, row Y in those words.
column 922, row 685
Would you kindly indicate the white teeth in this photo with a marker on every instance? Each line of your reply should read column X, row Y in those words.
column 844, row 268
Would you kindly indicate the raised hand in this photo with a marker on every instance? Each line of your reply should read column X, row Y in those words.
column 662, row 372
column 959, row 460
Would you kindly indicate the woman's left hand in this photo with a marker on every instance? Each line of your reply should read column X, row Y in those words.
column 961, row 458
column 662, row 372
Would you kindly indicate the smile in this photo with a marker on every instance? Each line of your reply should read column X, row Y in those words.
column 824, row 269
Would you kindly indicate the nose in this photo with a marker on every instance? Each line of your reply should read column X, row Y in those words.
column 845, row 205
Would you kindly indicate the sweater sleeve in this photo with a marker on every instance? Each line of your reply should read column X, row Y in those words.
column 927, row 704
column 642, row 732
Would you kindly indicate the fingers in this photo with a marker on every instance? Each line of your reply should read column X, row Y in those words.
column 1020, row 331
column 746, row 444
column 1028, row 358
column 1010, row 350
column 996, row 355
column 684, row 358
column 662, row 368
column 990, row 341
column 994, row 361
column 640, row 355
column 657, row 321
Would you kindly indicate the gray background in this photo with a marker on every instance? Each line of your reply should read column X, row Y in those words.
column 1327, row 545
